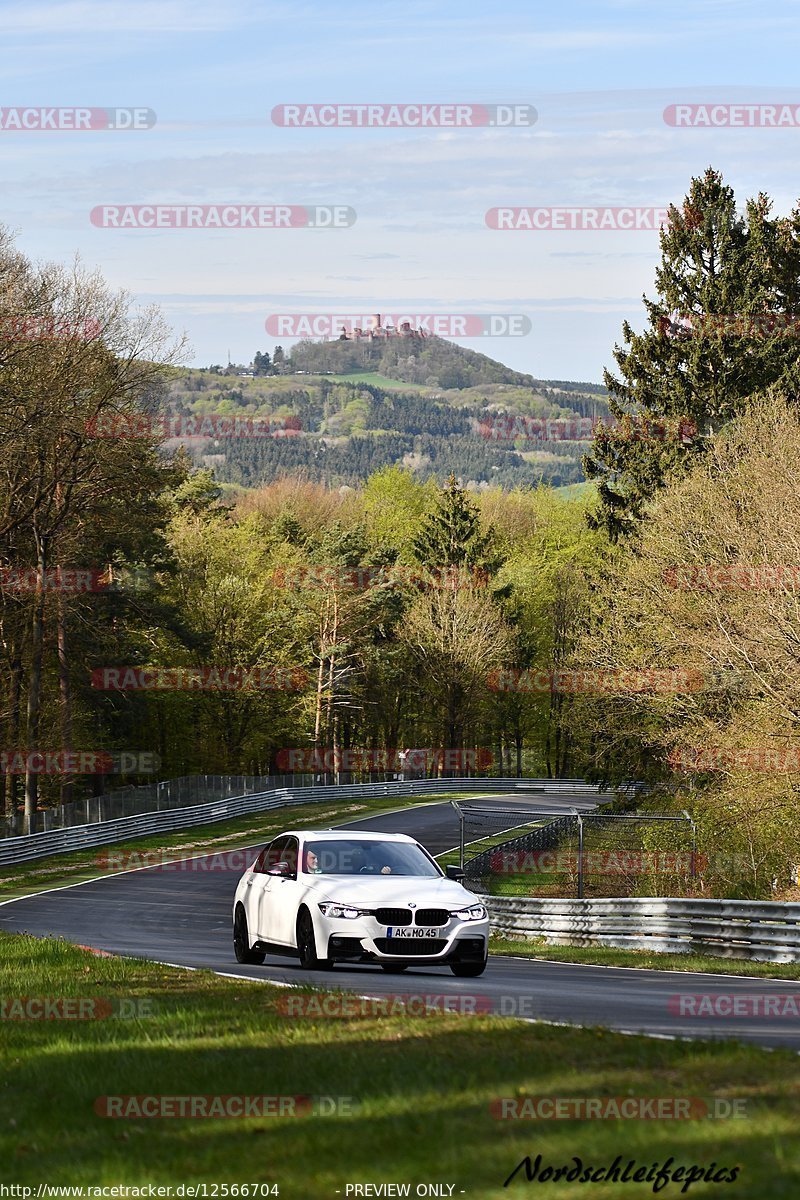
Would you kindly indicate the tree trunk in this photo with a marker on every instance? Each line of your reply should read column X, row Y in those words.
column 15, row 693
column 330, row 722
column 323, row 644
column 35, row 687
column 65, row 691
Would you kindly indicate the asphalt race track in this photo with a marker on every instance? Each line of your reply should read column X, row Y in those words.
column 181, row 914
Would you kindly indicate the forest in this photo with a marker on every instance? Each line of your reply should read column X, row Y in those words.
column 157, row 610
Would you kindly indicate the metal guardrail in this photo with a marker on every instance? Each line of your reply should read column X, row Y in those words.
column 189, row 790
column 79, row 837
column 182, row 792
column 761, row 930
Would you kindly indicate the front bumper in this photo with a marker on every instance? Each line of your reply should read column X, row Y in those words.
column 364, row 940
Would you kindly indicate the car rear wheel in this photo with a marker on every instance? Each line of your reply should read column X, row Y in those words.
column 307, row 944
column 394, row 968
column 468, row 970
column 241, row 941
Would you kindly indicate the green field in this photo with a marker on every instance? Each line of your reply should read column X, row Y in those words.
column 408, row 1097
column 574, row 491
column 376, row 380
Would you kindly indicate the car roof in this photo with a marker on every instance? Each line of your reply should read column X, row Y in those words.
column 345, row 834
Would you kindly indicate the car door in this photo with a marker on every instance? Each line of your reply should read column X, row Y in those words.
column 283, row 896
column 277, row 893
column 255, row 882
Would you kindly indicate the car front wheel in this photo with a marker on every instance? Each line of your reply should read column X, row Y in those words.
column 307, row 944
column 241, row 941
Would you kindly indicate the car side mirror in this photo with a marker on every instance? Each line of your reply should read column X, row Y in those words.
column 454, row 872
column 281, row 869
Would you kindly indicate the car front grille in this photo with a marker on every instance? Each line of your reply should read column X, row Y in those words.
column 433, row 916
column 410, row 947
column 393, row 916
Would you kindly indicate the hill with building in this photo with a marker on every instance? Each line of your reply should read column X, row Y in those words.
column 344, row 407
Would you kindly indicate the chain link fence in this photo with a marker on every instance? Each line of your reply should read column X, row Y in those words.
column 579, row 853
column 188, row 790
column 183, row 792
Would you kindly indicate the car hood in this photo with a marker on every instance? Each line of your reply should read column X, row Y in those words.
column 385, row 891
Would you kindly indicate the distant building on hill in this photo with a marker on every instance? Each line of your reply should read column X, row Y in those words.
column 377, row 332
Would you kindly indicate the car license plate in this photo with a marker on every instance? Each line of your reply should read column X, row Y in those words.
column 410, row 931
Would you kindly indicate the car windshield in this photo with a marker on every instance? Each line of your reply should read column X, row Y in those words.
column 346, row 857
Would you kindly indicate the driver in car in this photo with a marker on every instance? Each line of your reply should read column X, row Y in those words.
column 312, row 863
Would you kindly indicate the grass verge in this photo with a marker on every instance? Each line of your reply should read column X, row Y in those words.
column 419, row 1091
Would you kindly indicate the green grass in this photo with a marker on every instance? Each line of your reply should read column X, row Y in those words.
column 420, row 1087
column 573, row 491
column 606, row 956
column 218, row 836
column 377, row 380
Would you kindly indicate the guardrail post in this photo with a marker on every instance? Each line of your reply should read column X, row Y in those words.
column 694, row 843
column 580, row 856
column 458, row 809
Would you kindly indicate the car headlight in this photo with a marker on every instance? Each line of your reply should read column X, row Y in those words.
column 338, row 910
column 475, row 913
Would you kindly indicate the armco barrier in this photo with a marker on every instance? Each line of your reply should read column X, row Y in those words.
column 186, row 791
column 761, row 930
column 79, row 837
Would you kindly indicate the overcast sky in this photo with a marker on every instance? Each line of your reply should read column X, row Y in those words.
column 600, row 75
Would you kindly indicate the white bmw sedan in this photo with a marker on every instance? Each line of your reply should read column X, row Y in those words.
column 332, row 895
